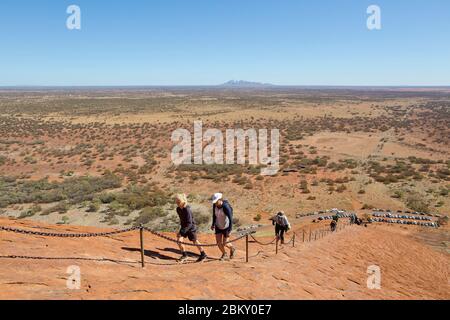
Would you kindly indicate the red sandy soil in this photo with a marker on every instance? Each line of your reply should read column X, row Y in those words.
column 334, row 267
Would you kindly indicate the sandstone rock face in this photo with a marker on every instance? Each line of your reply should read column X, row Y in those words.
column 334, row 267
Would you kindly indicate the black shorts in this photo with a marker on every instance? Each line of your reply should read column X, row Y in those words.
column 190, row 234
column 279, row 228
column 225, row 232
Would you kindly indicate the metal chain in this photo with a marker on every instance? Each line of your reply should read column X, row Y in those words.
column 66, row 258
column 290, row 241
column 67, row 235
column 192, row 244
column 263, row 244
column 141, row 227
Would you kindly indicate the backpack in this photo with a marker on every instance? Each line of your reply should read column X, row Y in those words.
column 282, row 221
column 288, row 227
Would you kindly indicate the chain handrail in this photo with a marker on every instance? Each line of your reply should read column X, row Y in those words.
column 263, row 244
column 160, row 235
column 292, row 239
column 141, row 228
column 67, row 235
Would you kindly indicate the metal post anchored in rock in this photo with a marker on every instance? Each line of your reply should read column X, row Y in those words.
column 141, row 231
column 246, row 248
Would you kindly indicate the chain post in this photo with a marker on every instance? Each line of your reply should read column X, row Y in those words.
column 141, row 233
column 246, row 248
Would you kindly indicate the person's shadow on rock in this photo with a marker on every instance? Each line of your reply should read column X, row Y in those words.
column 150, row 253
column 177, row 251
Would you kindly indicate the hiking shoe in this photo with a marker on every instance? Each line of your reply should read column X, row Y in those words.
column 224, row 257
column 232, row 253
column 202, row 257
column 184, row 257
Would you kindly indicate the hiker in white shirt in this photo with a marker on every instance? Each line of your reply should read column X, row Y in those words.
column 281, row 225
column 222, row 224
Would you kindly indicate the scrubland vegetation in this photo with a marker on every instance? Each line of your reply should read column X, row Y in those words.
column 61, row 153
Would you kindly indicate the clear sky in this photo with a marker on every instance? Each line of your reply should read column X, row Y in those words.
column 208, row 42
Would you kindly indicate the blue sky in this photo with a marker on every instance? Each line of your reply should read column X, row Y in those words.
column 204, row 42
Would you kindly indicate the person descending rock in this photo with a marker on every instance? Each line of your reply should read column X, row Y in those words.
column 222, row 224
column 188, row 227
column 352, row 218
column 356, row 220
column 333, row 225
column 281, row 225
column 359, row 221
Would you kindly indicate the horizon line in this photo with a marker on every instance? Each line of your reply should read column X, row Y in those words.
column 223, row 85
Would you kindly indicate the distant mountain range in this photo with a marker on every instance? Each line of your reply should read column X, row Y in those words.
column 245, row 84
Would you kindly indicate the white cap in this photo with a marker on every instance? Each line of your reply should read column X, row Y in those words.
column 216, row 197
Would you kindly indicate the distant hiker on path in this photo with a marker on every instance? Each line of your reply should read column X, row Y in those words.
column 222, row 224
column 188, row 227
column 281, row 224
column 333, row 225
column 352, row 218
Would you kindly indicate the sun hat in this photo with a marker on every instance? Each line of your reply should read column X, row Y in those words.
column 216, row 197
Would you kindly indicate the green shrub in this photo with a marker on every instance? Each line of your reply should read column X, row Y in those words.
column 26, row 214
column 118, row 208
column 397, row 194
column 137, row 197
column 94, row 206
column 60, row 208
column 201, row 219
column 149, row 214
column 113, row 221
column 74, row 190
column 414, row 202
column 107, row 197
column 36, row 208
column 3, row 160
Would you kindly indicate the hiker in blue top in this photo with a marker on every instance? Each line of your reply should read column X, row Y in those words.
column 222, row 224
column 188, row 227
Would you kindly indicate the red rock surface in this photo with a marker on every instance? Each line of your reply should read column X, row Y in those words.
column 333, row 267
